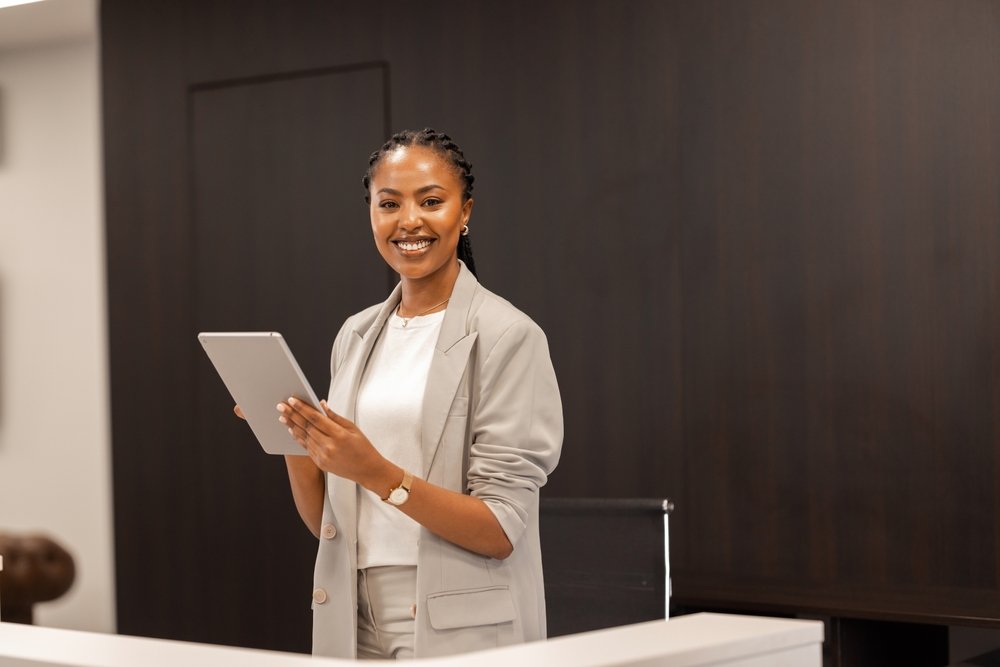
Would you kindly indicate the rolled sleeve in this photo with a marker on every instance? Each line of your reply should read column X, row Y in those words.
column 517, row 427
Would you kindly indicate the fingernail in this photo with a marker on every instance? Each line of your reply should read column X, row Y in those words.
column 282, row 420
column 291, row 431
column 281, row 407
column 293, row 401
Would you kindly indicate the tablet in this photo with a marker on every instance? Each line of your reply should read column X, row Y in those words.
column 259, row 371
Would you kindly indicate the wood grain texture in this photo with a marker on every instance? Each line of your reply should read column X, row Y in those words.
column 840, row 288
column 571, row 128
column 761, row 237
column 278, row 214
column 231, row 205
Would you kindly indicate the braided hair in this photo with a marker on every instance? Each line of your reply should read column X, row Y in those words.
column 448, row 149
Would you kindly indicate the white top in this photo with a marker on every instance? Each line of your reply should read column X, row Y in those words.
column 390, row 401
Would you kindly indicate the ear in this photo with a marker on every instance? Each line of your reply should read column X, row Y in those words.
column 467, row 210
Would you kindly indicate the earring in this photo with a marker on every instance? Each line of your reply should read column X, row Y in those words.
column 465, row 230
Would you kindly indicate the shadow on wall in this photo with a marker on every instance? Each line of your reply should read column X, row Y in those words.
column 3, row 133
column 2, row 336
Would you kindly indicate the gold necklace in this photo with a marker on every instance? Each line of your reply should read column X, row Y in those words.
column 406, row 320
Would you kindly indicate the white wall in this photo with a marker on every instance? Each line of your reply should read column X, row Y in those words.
column 55, row 469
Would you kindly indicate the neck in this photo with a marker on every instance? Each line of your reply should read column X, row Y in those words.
column 419, row 294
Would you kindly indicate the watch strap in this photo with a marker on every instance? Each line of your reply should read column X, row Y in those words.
column 405, row 484
column 407, row 481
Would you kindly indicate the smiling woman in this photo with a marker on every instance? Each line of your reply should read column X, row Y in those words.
column 420, row 160
column 442, row 423
column 418, row 212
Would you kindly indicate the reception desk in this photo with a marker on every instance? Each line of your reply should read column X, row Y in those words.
column 698, row 640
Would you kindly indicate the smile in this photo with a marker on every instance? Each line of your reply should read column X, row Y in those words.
column 413, row 246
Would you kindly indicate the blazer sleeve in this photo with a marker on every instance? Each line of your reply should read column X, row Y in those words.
column 517, row 427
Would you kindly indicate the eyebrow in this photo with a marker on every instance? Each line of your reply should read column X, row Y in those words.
column 420, row 191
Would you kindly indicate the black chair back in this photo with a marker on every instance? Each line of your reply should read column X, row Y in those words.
column 604, row 562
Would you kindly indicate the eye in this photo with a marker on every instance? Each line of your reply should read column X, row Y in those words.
column 387, row 204
column 432, row 201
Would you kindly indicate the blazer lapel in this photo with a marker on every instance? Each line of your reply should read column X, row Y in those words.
column 357, row 358
column 343, row 493
column 451, row 356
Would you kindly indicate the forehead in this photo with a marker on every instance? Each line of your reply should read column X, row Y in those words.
column 414, row 164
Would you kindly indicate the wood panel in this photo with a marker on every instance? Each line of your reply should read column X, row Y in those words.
column 571, row 127
column 840, row 273
column 225, row 197
column 150, row 317
column 278, row 216
column 761, row 238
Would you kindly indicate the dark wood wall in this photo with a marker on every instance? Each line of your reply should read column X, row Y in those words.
column 762, row 238
column 841, row 320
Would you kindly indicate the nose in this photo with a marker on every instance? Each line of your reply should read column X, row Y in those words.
column 409, row 217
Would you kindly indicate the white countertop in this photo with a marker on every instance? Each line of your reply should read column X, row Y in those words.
column 684, row 641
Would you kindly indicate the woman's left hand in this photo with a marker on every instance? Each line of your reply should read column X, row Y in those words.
column 335, row 444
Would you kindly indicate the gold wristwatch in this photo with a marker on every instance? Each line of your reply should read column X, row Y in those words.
column 401, row 493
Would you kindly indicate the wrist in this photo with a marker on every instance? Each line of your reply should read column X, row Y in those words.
column 384, row 478
column 399, row 494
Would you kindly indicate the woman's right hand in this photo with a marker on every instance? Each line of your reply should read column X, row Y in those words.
column 239, row 413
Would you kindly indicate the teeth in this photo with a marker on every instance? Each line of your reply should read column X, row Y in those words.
column 414, row 245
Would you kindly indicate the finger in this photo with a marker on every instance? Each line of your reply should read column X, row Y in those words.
column 291, row 418
column 239, row 412
column 315, row 439
column 302, row 406
column 300, row 435
column 343, row 422
column 312, row 447
column 309, row 414
column 304, row 435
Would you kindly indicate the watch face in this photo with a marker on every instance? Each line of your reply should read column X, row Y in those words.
column 398, row 496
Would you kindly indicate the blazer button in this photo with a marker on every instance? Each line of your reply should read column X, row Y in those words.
column 319, row 596
column 329, row 531
column 413, row 610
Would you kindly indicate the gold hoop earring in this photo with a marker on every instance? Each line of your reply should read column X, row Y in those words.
column 465, row 230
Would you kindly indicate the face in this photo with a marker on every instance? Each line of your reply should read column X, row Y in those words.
column 417, row 213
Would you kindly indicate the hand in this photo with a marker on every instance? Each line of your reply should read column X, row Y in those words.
column 239, row 412
column 336, row 445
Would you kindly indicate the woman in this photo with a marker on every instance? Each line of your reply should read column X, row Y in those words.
column 442, row 422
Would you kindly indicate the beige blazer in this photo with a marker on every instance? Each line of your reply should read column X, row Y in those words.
column 492, row 427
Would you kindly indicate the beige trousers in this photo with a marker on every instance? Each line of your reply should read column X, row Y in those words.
column 386, row 609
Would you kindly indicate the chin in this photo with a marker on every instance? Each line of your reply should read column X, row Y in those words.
column 424, row 269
